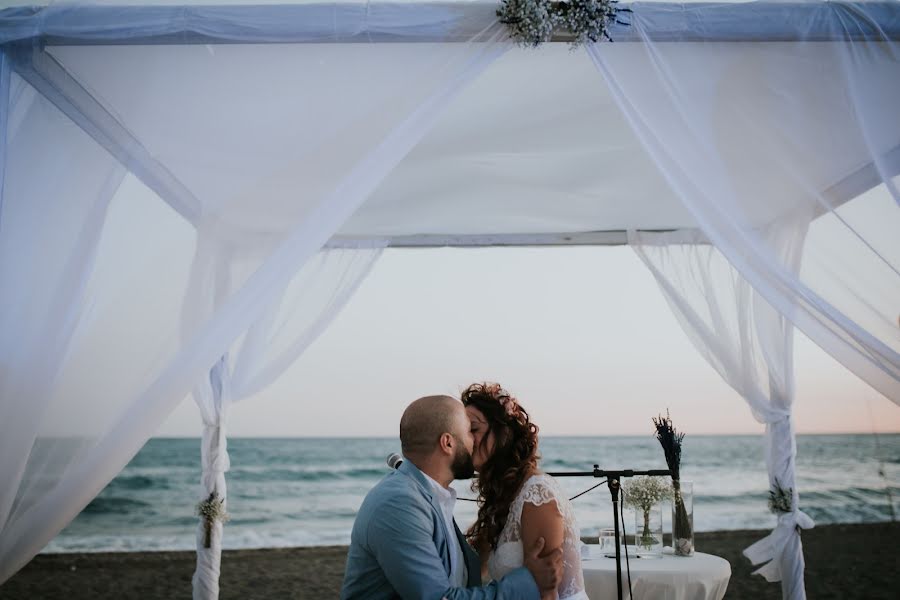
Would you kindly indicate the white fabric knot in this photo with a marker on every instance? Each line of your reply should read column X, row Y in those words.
column 214, row 453
column 771, row 548
column 778, row 416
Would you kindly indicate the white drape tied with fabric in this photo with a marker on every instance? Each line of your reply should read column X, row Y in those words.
column 779, row 550
column 305, row 308
column 261, row 152
column 777, row 150
column 751, row 346
column 311, row 300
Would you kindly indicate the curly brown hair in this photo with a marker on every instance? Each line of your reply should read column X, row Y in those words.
column 514, row 459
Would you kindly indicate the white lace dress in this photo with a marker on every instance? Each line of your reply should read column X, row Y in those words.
column 537, row 490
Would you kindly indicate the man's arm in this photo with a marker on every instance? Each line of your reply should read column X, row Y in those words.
column 400, row 535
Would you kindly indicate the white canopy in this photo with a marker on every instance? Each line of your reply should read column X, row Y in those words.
column 265, row 133
column 536, row 145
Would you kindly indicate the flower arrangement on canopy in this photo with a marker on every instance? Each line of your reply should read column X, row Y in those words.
column 533, row 22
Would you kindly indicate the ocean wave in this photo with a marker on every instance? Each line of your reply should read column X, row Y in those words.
column 114, row 505
column 854, row 513
column 138, row 482
column 121, row 543
column 235, row 538
column 822, row 497
column 847, row 496
column 737, row 498
column 245, row 521
column 323, row 514
column 270, row 474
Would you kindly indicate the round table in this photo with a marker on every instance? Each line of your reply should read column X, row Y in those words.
column 698, row 577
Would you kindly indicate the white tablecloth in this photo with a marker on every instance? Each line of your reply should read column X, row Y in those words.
column 698, row 577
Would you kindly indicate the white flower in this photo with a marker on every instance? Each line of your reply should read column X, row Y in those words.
column 643, row 492
column 213, row 509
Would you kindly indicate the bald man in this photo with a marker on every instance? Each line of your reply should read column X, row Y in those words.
column 405, row 542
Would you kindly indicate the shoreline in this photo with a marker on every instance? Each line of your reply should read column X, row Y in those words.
column 842, row 561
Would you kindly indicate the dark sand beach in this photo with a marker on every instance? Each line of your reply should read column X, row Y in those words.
column 842, row 561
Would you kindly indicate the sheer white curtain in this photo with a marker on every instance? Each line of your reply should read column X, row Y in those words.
column 311, row 301
column 751, row 346
column 49, row 234
column 103, row 332
column 749, row 133
column 762, row 142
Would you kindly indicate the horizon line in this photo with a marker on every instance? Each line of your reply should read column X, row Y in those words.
column 565, row 435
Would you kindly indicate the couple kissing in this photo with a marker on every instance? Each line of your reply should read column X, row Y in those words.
column 524, row 542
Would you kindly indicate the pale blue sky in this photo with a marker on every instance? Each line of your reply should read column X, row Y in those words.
column 581, row 335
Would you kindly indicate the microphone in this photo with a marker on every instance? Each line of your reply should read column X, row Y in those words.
column 394, row 460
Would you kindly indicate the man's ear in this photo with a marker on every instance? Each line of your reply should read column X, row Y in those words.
column 446, row 443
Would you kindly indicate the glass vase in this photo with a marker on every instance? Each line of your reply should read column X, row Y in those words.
column 648, row 531
column 683, row 518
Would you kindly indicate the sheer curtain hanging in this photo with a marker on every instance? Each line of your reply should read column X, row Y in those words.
column 770, row 145
column 311, row 301
column 748, row 133
column 751, row 346
column 45, row 263
column 5, row 90
column 105, row 341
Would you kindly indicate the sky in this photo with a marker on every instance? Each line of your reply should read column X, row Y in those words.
column 582, row 336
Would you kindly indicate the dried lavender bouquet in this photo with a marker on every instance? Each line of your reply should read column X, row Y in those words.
column 682, row 527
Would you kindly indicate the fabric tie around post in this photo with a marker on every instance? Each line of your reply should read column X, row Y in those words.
column 775, row 547
column 782, row 549
column 214, row 456
column 271, row 345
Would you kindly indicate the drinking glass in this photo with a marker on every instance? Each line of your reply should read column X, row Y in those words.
column 607, row 540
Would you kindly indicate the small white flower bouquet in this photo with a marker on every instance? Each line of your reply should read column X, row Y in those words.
column 643, row 493
column 211, row 510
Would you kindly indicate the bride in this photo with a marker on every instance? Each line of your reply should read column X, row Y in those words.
column 517, row 504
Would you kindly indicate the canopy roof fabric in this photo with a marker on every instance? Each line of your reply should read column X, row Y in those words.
column 536, row 145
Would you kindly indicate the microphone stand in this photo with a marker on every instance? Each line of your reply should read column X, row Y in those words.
column 612, row 481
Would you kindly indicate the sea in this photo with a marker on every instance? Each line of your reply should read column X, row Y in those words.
column 306, row 491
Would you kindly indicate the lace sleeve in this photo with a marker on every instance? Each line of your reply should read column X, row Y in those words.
column 543, row 489
column 538, row 490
